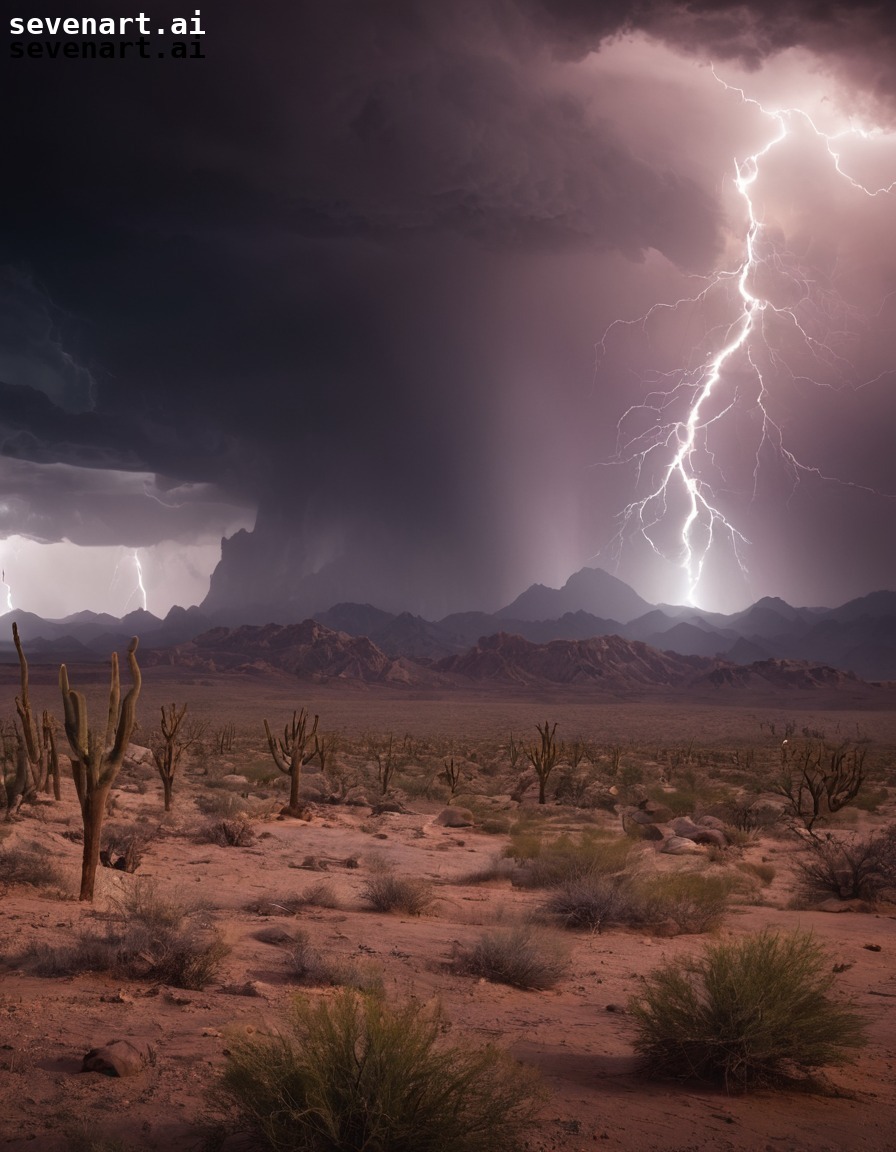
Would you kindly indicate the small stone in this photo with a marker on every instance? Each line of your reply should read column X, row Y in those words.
column 872, row 947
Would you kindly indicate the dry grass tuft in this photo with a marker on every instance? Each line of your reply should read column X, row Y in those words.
column 519, row 956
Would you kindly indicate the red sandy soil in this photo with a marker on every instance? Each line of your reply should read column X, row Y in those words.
column 578, row 1035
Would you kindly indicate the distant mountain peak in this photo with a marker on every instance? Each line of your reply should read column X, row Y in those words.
column 590, row 590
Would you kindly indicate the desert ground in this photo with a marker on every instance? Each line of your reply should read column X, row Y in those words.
column 307, row 880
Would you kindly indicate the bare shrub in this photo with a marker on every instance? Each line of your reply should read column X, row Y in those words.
column 319, row 895
column 748, row 1013
column 124, row 846
column 588, row 902
column 151, row 937
column 386, row 892
column 850, row 867
column 519, row 956
column 29, row 866
column 354, row 1073
column 228, row 832
column 307, row 965
column 764, row 873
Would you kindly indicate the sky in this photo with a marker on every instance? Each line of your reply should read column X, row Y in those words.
column 420, row 303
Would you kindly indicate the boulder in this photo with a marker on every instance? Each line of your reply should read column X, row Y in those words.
column 117, row 1058
column 680, row 846
column 684, row 826
column 712, row 822
column 658, row 813
column 710, row 836
column 455, row 818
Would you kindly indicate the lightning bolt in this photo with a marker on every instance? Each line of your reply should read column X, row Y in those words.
column 9, row 604
column 140, row 583
column 668, row 437
column 140, row 589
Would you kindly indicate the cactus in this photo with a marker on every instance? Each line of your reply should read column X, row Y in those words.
column 167, row 752
column 37, row 742
column 290, row 753
column 96, row 757
column 544, row 757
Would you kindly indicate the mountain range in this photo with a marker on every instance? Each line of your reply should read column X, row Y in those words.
column 858, row 637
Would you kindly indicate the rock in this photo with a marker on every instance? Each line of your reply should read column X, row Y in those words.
column 684, row 826
column 639, row 816
column 680, row 846
column 275, row 935
column 250, row 988
column 137, row 754
column 639, row 829
column 455, row 818
column 712, row 822
column 710, row 836
column 118, row 1058
column 393, row 806
column 658, row 813
column 644, row 832
column 235, row 779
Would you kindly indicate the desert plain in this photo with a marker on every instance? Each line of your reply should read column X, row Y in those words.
column 308, row 879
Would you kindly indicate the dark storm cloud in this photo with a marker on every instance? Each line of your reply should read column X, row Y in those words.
column 99, row 507
column 284, row 270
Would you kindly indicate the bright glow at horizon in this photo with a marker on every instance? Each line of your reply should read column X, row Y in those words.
column 58, row 579
column 670, row 437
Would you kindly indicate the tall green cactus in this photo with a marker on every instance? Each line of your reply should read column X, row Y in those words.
column 95, row 761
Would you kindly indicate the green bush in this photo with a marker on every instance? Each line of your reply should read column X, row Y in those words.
column 748, row 1013
column 689, row 901
column 694, row 902
column 352, row 1073
column 563, row 859
column 519, row 956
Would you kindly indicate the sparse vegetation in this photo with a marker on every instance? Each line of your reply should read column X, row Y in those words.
column 386, row 892
column 354, row 1073
column 520, row 956
column 319, row 895
column 686, row 902
column 753, row 1012
column 150, row 937
column 551, row 863
column 849, row 866
column 818, row 779
column 228, row 832
column 29, row 866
